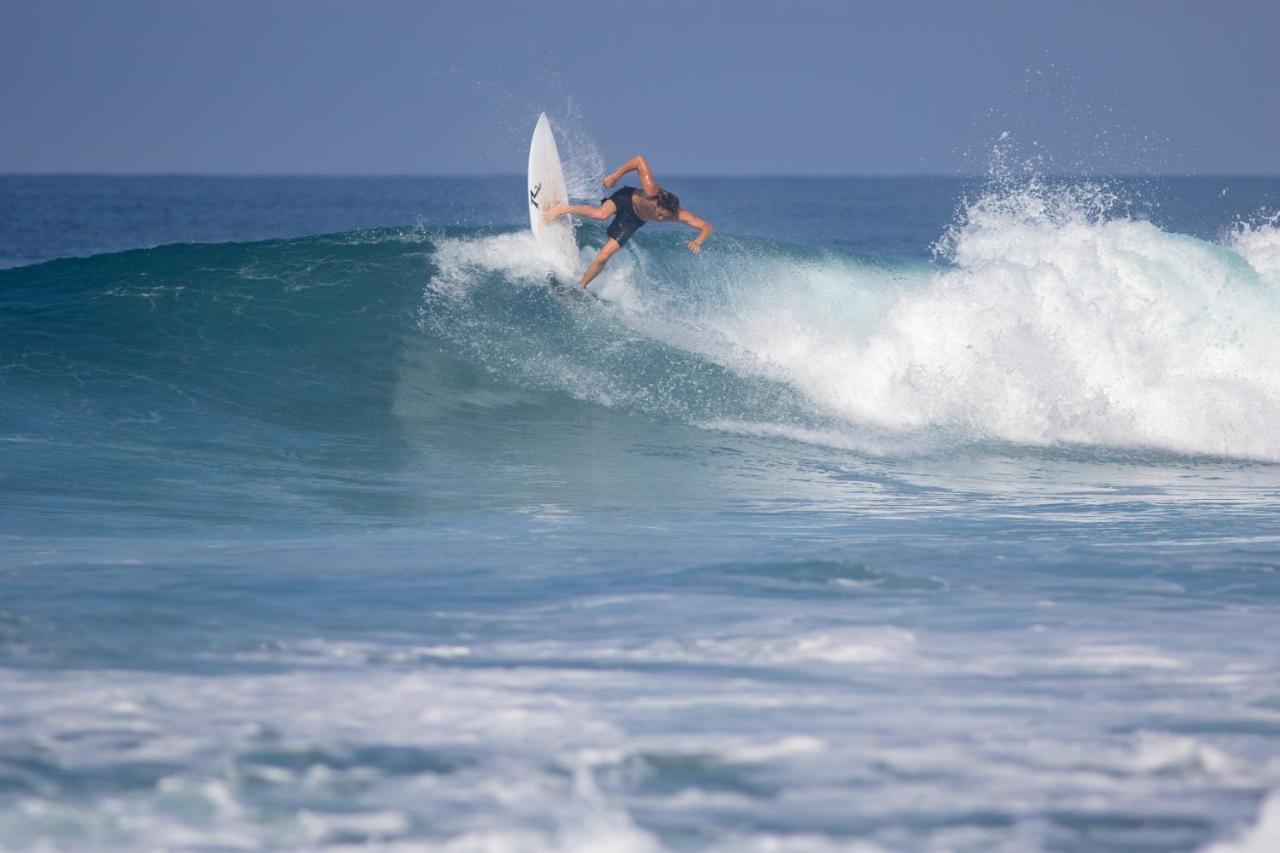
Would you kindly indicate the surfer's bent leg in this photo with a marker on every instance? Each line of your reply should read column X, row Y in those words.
column 606, row 252
column 604, row 211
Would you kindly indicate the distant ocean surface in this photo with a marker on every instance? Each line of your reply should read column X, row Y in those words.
column 913, row 514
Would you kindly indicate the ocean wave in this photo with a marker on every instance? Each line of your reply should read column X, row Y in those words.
column 1047, row 321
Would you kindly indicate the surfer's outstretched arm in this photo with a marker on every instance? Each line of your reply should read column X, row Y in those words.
column 640, row 166
column 604, row 211
column 695, row 221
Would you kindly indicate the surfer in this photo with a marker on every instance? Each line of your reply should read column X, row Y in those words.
column 631, row 208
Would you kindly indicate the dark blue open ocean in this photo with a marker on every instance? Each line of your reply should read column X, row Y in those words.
column 914, row 514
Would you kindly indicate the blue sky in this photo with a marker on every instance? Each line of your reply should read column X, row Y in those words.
column 701, row 87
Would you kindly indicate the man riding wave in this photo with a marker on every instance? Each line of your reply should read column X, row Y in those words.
column 631, row 208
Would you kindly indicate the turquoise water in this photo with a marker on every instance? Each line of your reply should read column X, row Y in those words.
column 914, row 514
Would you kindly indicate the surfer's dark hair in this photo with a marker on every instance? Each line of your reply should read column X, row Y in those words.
column 668, row 201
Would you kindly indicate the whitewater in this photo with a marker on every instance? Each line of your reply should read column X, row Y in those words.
column 1052, row 325
column 913, row 514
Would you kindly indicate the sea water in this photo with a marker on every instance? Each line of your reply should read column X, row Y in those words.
column 913, row 514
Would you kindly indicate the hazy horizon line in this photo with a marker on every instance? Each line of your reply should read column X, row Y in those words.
column 517, row 175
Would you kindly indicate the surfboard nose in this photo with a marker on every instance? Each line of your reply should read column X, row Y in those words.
column 546, row 187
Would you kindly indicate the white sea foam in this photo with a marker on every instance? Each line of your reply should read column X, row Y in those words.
column 1050, row 324
column 795, row 843
column 789, row 747
column 1105, row 657
column 1264, row 837
column 171, row 722
column 417, row 749
column 462, row 262
column 1164, row 753
column 1259, row 244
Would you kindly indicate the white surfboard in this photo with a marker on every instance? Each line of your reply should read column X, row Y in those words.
column 546, row 188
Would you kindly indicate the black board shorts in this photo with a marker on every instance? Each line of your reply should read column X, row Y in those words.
column 626, row 221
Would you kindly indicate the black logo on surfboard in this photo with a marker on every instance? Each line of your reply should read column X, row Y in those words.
column 533, row 195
